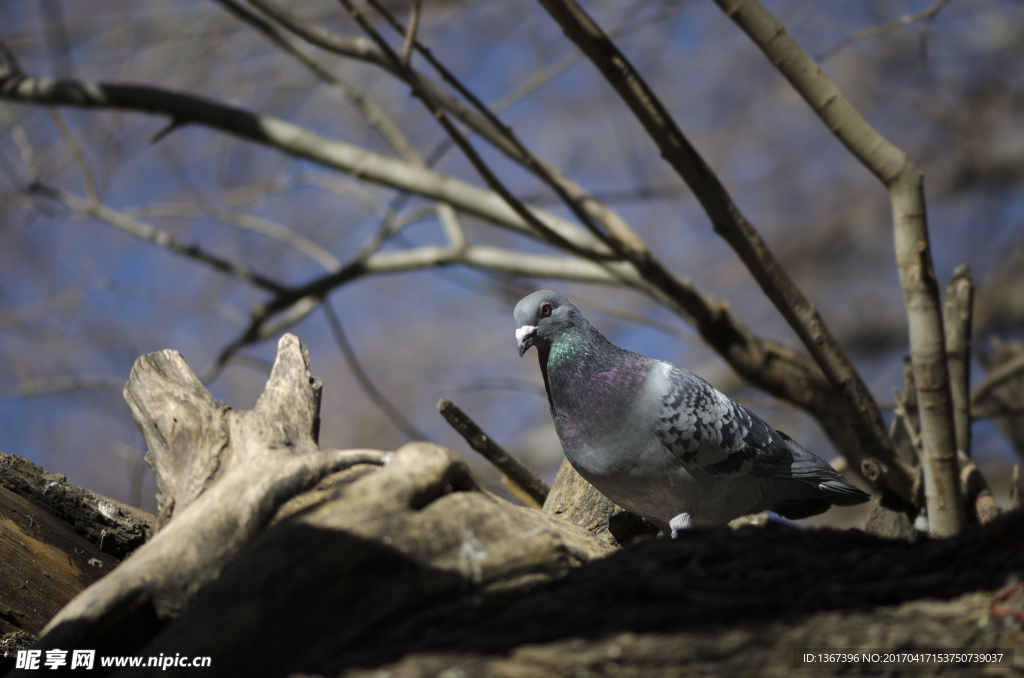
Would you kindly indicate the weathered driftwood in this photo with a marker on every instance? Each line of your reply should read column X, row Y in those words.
column 221, row 473
column 225, row 475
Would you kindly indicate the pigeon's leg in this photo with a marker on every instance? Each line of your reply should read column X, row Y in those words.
column 681, row 522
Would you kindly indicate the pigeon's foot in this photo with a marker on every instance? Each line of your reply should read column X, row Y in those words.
column 680, row 523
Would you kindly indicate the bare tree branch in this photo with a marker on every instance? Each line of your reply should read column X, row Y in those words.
column 28, row 154
column 621, row 235
column 913, row 257
column 958, row 312
column 740, row 234
column 265, row 227
column 364, row 50
column 76, row 152
column 483, row 169
column 294, row 140
column 156, row 236
column 518, row 473
column 410, row 34
column 374, row 115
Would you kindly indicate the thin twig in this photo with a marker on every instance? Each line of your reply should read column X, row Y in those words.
column 265, row 227
column 39, row 387
column 475, row 256
column 482, row 168
column 908, row 426
column 620, row 234
column 156, row 236
column 927, row 14
column 378, row 398
column 997, row 377
column 383, row 56
column 78, row 155
column 373, row 114
column 516, row 471
column 410, row 34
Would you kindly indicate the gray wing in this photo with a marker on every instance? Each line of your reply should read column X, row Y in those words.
column 706, row 430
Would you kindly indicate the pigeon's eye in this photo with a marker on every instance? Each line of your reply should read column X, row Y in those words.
column 545, row 310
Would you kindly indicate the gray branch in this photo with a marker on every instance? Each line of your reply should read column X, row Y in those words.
column 905, row 184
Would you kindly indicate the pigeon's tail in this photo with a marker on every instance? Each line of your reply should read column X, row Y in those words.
column 809, row 468
column 842, row 493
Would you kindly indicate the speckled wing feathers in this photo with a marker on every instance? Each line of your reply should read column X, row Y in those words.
column 708, row 431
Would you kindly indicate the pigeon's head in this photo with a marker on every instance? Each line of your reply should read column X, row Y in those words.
column 541, row 317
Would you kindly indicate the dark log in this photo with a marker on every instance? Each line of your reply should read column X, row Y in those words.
column 113, row 527
column 43, row 564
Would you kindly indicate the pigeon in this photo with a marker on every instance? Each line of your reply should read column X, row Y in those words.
column 658, row 440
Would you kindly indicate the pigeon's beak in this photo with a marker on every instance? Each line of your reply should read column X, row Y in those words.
column 524, row 337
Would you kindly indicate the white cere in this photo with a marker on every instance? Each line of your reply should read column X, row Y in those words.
column 525, row 331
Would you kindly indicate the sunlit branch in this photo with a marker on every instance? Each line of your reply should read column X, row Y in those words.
column 297, row 141
column 364, row 50
column 373, row 114
column 410, row 34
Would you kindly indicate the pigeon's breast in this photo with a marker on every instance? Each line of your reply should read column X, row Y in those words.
column 594, row 408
